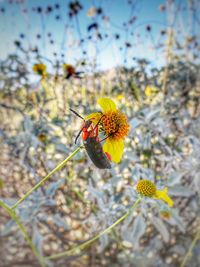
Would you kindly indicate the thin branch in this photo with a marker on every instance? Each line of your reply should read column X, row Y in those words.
column 96, row 237
column 46, row 177
column 189, row 252
column 23, row 230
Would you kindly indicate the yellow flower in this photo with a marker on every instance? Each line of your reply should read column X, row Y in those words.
column 148, row 189
column 115, row 127
column 151, row 90
column 119, row 97
column 40, row 69
column 162, row 194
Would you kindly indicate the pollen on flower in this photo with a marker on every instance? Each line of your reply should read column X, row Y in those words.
column 115, row 124
column 146, row 188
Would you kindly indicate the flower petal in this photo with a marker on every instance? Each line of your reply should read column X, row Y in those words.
column 107, row 104
column 95, row 117
column 162, row 194
column 114, row 148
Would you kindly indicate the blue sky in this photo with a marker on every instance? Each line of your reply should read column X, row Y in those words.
column 62, row 36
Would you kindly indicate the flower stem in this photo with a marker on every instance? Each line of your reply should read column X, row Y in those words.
column 23, row 230
column 46, row 177
column 189, row 252
column 90, row 241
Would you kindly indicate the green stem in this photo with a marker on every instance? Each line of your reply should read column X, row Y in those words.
column 23, row 230
column 88, row 242
column 46, row 177
column 189, row 253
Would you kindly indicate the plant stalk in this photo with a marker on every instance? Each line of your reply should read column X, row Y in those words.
column 46, row 177
column 23, row 230
column 189, row 252
column 90, row 241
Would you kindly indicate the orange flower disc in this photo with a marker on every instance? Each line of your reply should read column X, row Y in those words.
column 115, row 124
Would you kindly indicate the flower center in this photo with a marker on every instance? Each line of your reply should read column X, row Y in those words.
column 146, row 188
column 115, row 124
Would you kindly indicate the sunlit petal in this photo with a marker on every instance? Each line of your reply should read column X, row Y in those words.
column 95, row 117
column 162, row 194
column 107, row 104
column 114, row 148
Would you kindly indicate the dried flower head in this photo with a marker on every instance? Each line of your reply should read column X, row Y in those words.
column 69, row 70
column 165, row 214
column 42, row 137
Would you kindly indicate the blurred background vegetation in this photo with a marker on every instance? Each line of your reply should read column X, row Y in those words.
column 56, row 55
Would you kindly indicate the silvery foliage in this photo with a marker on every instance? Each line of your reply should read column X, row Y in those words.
column 154, row 150
column 162, row 136
column 30, row 213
